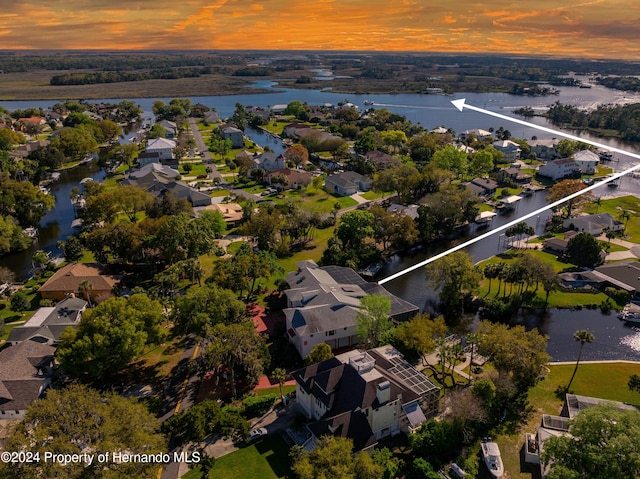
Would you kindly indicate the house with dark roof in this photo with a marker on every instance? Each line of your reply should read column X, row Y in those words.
column 364, row 396
column 25, row 372
column 170, row 128
column 47, row 324
column 382, row 160
column 621, row 274
column 323, row 303
column 347, row 183
column 66, row 281
column 482, row 186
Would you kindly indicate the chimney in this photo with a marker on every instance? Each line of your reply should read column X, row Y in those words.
column 383, row 392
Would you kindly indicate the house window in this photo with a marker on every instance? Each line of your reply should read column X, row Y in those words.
column 331, row 333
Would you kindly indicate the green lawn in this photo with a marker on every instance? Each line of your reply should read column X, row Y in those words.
column 606, row 381
column 197, row 168
column 314, row 200
column 266, row 459
column 615, row 207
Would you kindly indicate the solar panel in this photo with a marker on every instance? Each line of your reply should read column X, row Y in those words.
column 411, row 376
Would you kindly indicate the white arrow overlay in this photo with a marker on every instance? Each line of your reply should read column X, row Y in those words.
column 460, row 105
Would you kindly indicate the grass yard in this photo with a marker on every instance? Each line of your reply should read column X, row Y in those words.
column 197, row 168
column 315, row 200
column 606, row 381
column 616, row 207
column 266, row 459
column 558, row 298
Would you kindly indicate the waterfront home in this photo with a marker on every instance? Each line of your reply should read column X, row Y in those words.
column 364, row 396
column 479, row 133
column 482, row 186
column 323, row 303
column 233, row 134
column 162, row 146
column 622, row 275
column 510, row 149
column 381, row 160
column 587, row 161
column 544, row 149
column 25, row 373
column 559, row 169
column 269, row 161
column 170, row 128
column 595, row 224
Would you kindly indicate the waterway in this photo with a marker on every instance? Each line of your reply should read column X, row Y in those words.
column 613, row 339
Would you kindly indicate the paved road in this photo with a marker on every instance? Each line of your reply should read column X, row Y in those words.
column 204, row 149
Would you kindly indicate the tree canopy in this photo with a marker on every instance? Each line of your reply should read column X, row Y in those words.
column 78, row 419
column 373, row 319
column 603, row 444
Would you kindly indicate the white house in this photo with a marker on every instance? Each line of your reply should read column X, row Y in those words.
column 558, row 169
column 234, row 134
column 587, row 161
column 268, row 161
column 323, row 303
column 162, row 146
column 364, row 396
column 347, row 183
column 510, row 149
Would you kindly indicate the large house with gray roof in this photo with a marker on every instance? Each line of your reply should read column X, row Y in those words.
column 323, row 303
column 364, row 396
column 25, row 372
column 48, row 323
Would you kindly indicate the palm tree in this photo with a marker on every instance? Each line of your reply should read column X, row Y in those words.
column 472, row 341
column 280, row 375
column 582, row 336
column 85, row 287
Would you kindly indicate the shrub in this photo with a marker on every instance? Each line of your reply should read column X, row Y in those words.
column 257, row 405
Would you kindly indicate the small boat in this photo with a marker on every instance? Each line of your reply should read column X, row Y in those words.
column 630, row 313
column 491, row 456
column 369, row 102
column 371, row 270
column 605, row 155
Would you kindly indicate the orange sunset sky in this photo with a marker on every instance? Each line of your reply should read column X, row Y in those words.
column 598, row 28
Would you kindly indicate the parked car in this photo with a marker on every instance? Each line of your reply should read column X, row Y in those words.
column 256, row 434
column 202, row 176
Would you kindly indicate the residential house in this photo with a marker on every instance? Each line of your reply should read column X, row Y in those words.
column 511, row 173
column 231, row 212
column 211, row 117
column 21, row 124
column 22, row 151
column 582, row 280
column 555, row 426
column 411, row 210
column 510, row 149
column 558, row 245
column 162, row 146
column 364, row 396
column 295, row 130
column 482, row 186
column 146, row 158
column 170, row 128
column 150, row 172
column 382, row 160
column 235, row 135
column 278, row 109
column 559, row 169
column 48, row 323
column 347, row 183
column 66, row 282
column 25, row 373
column 587, row 161
column 595, row 224
column 293, row 179
column 268, row 161
column 478, row 133
column 323, row 302
column 621, row 274
column 544, row 149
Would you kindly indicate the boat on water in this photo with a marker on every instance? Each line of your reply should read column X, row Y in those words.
column 368, row 102
column 630, row 313
column 605, row 155
column 491, row 456
column 371, row 270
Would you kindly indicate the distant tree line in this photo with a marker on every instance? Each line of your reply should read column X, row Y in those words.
column 620, row 83
column 128, row 76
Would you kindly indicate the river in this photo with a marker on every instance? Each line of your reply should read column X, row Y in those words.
column 613, row 339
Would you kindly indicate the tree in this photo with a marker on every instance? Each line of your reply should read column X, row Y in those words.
column 583, row 250
column 373, row 319
column 110, row 336
column 634, row 383
column 19, row 302
column 482, row 163
column 582, row 336
column 12, row 237
column 23, row 201
column 202, row 307
column 520, row 353
column 85, row 287
column 332, row 457
column 452, row 159
column 436, row 440
column 79, row 419
column 354, row 227
column 238, row 347
column 456, row 276
column 280, row 375
column 71, row 248
column 568, row 187
column 602, row 444
column 297, row 154
column 420, row 334
column 320, row 352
